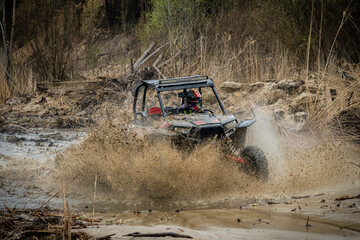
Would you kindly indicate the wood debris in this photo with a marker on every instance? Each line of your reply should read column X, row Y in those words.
column 346, row 198
column 42, row 224
column 165, row 234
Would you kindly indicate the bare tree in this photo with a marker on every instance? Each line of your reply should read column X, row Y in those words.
column 7, row 47
column 9, row 51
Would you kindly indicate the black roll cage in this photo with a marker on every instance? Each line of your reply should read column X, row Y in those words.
column 162, row 85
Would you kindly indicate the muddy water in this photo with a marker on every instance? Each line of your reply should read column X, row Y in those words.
column 248, row 223
column 118, row 174
column 39, row 144
column 27, row 163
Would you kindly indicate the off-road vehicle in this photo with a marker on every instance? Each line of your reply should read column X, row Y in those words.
column 156, row 104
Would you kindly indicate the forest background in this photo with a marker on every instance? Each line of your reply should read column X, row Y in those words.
column 231, row 40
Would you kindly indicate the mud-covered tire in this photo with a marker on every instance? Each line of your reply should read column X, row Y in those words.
column 257, row 162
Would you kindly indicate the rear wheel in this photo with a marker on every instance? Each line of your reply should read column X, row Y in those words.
column 257, row 162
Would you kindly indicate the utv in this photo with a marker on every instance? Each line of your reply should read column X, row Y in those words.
column 156, row 114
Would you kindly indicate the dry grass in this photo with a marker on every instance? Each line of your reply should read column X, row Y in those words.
column 25, row 83
column 324, row 111
column 247, row 64
column 347, row 99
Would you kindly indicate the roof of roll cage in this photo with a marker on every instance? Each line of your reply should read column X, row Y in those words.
column 179, row 83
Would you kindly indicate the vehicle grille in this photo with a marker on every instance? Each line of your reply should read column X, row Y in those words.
column 210, row 132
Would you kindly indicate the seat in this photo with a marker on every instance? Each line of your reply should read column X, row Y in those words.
column 155, row 111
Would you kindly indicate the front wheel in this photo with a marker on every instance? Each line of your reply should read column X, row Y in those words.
column 257, row 162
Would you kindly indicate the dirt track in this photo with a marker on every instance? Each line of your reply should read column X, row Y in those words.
column 316, row 169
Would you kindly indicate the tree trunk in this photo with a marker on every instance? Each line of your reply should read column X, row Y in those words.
column 9, row 53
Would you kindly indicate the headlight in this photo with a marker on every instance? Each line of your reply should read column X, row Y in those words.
column 230, row 125
column 184, row 130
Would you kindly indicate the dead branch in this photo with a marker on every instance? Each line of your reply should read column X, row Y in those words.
column 299, row 197
column 105, row 237
column 152, row 54
column 38, row 210
column 44, row 225
column 162, row 75
column 158, row 59
column 7, row 208
column 166, row 234
column 137, row 63
column 91, row 220
column 346, row 198
column 307, row 222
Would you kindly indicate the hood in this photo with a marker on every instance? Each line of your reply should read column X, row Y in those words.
column 197, row 120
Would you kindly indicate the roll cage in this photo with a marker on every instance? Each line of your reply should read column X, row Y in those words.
column 162, row 85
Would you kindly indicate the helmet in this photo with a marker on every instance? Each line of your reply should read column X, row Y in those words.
column 192, row 100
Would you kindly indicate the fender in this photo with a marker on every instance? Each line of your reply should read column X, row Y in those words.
column 246, row 123
column 239, row 136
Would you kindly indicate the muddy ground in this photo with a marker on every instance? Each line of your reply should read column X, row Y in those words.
column 68, row 137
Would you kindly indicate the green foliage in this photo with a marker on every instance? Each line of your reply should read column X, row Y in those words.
column 176, row 19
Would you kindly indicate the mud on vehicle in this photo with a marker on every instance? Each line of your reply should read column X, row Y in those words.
column 156, row 114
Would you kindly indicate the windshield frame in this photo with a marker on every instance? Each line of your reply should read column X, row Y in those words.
column 159, row 91
column 212, row 88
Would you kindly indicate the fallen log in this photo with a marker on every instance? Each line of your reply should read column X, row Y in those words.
column 300, row 197
column 347, row 197
column 91, row 220
column 165, row 234
column 105, row 237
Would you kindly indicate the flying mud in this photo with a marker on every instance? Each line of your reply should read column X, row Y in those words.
column 121, row 167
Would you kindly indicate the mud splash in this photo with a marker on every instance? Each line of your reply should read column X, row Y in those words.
column 136, row 168
column 125, row 168
column 303, row 163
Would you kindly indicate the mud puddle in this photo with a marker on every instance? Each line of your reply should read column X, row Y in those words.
column 39, row 144
column 259, row 220
column 27, row 164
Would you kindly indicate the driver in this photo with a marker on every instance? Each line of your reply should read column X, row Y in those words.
column 192, row 103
